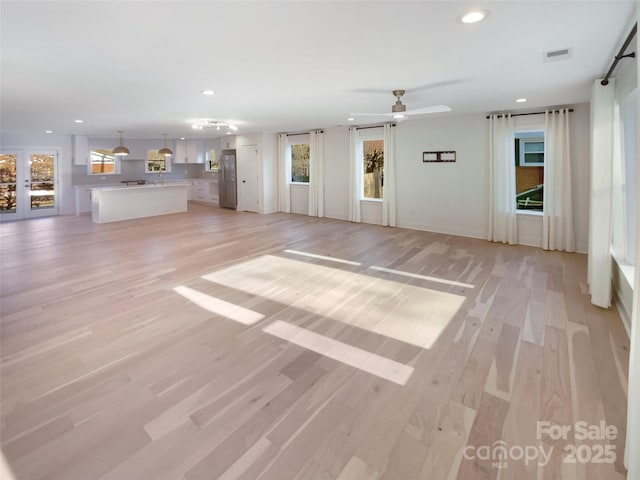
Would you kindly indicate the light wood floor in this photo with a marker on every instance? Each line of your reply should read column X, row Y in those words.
column 399, row 362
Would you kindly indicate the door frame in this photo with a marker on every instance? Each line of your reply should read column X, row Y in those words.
column 23, row 181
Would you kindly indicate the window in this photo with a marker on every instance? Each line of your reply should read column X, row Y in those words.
column 373, row 165
column 300, row 162
column 531, row 152
column 211, row 162
column 529, row 149
column 625, row 188
column 157, row 163
column 104, row 162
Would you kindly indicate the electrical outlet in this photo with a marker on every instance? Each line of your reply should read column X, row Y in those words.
column 185, row 171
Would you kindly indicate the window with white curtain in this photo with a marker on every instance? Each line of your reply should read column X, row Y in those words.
column 529, row 158
column 371, row 151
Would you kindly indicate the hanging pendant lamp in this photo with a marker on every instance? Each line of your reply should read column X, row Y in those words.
column 121, row 149
column 165, row 151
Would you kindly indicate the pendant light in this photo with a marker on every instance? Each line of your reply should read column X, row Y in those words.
column 165, row 151
column 121, row 150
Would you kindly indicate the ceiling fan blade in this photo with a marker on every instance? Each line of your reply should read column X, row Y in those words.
column 432, row 109
column 370, row 114
column 443, row 83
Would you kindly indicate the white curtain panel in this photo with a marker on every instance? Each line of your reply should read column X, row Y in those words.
column 284, row 174
column 355, row 176
column 316, row 173
column 502, row 189
column 600, row 223
column 557, row 219
column 389, row 175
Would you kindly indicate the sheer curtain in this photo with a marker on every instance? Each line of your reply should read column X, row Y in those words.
column 557, row 219
column 284, row 177
column 502, row 171
column 316, row 173
column 355, row 176
column 389, row 176
column 600, row 224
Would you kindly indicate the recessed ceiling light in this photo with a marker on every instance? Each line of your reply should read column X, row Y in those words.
column 208, row 92
column 48, row 131
column 181, row 138
column 78, row 121
column 521, row 100
column 228, row 133
column 350, row 119
column 473, row 16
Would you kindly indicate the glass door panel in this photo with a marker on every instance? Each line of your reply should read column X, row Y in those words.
column 28, row 180
column 8, row 182
column 42, row 182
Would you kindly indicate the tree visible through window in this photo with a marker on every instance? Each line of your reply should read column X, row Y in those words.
column 373, row 155
column 300, row 162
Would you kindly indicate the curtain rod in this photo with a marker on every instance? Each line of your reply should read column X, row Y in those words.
column 570, row 110
column 621, row 55
column 304, row 133
column 374, row 126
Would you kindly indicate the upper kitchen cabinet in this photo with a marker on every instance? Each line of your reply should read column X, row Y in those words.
column 189, row 151
column 80, row 149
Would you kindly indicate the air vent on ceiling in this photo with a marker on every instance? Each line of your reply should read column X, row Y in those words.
column 557, row 55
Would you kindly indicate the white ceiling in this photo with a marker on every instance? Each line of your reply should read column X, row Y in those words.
column 139, row 66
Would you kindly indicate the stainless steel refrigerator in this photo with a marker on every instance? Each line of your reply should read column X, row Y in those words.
column 227, row 180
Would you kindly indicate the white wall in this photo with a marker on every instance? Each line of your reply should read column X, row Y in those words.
column 269, row 173
column 443, row 197
column 448, row 198
column 336, row 173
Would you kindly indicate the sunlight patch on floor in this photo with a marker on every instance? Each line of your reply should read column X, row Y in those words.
column 322, row 257
column 219, row 306
column 404, row 312
column 421, row 277
column 356, row 357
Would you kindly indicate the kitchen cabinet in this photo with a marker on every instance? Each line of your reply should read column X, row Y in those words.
column 189, row 151
column 83, row 199
column 80, row 149
column 205, row 191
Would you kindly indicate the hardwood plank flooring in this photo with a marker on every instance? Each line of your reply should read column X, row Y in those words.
column 141, row 350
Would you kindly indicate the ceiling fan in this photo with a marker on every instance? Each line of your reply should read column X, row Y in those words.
column 399, row 109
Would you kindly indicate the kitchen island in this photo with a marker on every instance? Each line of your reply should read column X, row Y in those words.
column 114, row 203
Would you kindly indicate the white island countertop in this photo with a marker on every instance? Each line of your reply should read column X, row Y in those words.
column 114, row 203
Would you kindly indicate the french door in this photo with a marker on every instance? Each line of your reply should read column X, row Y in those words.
column 28, row 183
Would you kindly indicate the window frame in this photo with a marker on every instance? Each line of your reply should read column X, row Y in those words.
column 297, row 139
column 153, row 152
column 372, row 134
column 528, row 129
column 116, row 162
column 522, row 160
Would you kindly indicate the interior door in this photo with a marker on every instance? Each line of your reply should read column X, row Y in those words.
column 248, row 179
column 28, row 182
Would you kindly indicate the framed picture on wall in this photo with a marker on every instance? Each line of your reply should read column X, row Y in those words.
column 439, row 156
